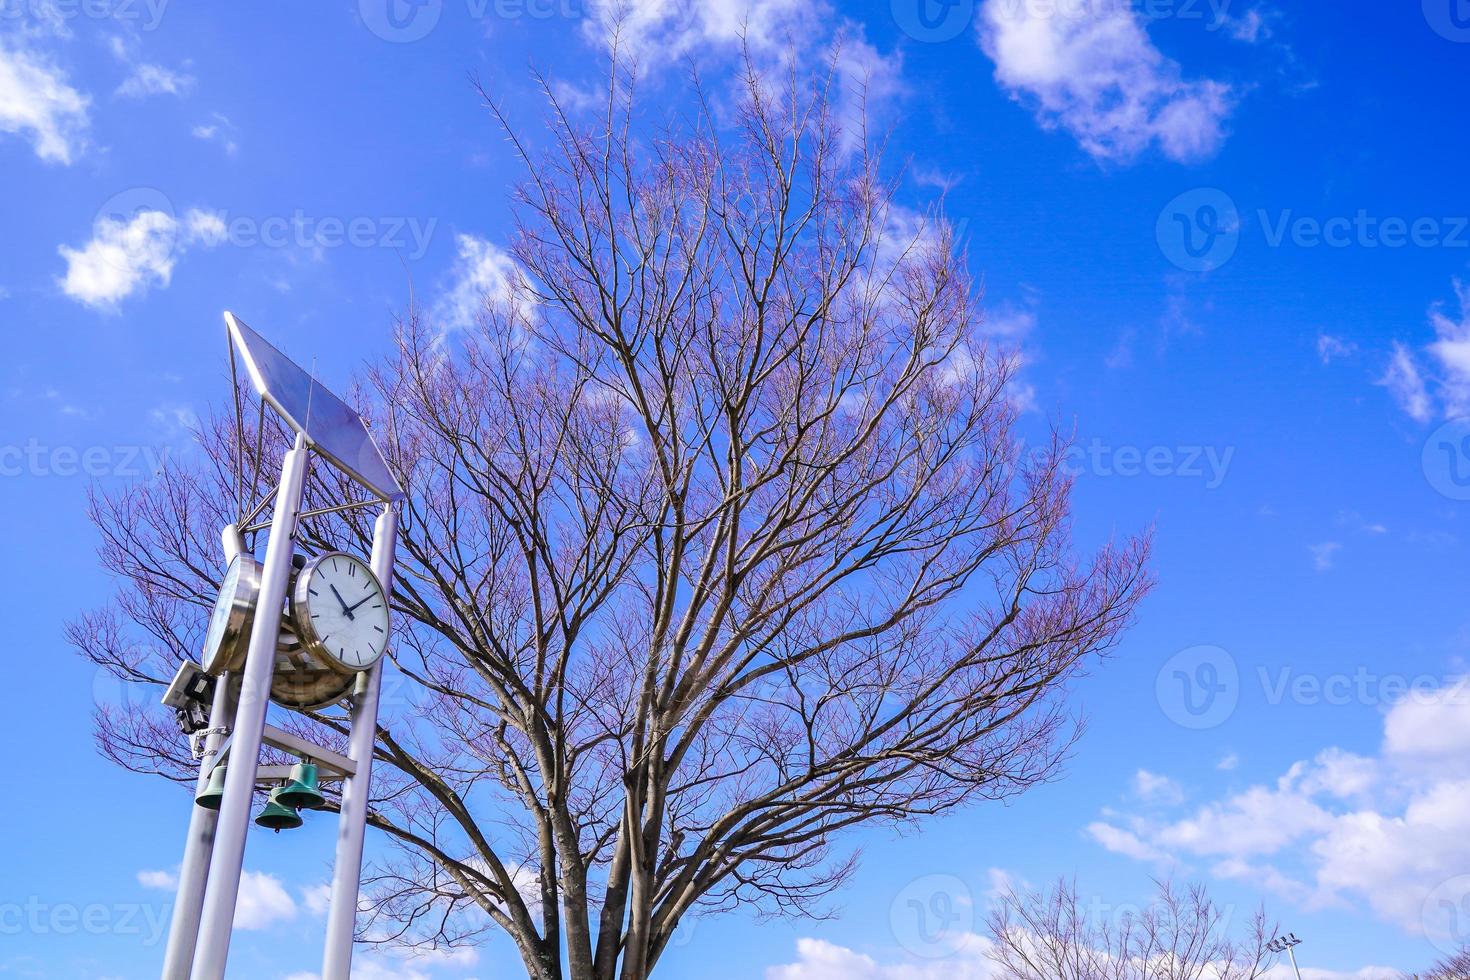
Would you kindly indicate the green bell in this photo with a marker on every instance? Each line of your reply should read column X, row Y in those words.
column 214, row 791
column 303, row 791
column 275, row 816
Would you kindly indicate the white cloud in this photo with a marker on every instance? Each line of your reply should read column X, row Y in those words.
column 1391, row 831
column 147, row 80
column 1443, row 384
column 400, row 964
column 1431, row 726
column 162, row 880
column 1009, row 322
column 1124, row 842
column 1330, row 348
column 37, row 102
column 1092, row 70
column 1230, row 762
column 1324, row 555
column 1406, row 384
column 122, row 258
column 819, row 960
column 263, row 901
column 1452, row 352
column 1249, row 27
column 659, row 32
column 484, row 274
column 220, row 130
column 317, row 898
column 127, row 257
column 1153, row 788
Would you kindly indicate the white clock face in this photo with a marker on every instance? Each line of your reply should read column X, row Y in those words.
column 342, row 608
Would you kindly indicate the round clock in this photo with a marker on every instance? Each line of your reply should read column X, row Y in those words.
column 341, row 612
column 234, row 610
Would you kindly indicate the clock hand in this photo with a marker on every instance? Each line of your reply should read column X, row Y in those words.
column 343, row 603
column 368, row 599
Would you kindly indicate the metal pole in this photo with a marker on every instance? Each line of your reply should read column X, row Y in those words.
column 1294, row 968
column 183, row 932
column 347, row 869
column 234, row 813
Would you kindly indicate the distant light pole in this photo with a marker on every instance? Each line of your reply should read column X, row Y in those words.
column 1285, row 944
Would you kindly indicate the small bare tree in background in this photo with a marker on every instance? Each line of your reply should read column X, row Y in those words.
column 1456, row 967
column 1181, row 935
column 719, row 543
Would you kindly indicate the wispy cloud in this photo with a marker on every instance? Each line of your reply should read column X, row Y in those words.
column 484, row 275
column 1435, row 379
column 144, row 79
column 1406, row 384
column 219, row 130
column 1324, row 555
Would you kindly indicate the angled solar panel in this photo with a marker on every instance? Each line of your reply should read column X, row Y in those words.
column 329, row 424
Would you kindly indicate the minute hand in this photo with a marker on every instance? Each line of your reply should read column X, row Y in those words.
column 368, row 599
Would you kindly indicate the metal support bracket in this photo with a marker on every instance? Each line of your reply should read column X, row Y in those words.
column 331, row 765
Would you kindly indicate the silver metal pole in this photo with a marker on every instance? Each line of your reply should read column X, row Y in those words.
column 183, row 932
column 347, row 869
column 1294, row 968
column 234, row 813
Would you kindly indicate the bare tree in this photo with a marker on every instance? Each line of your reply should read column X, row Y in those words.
column 1456, row 967
column 1181, row 935
column 719, row 542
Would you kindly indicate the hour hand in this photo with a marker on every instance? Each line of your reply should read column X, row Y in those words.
column 342, row 602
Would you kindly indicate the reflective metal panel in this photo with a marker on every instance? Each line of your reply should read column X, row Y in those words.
column 328, row 423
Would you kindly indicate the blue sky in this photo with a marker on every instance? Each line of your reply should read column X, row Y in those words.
column 1229, row 238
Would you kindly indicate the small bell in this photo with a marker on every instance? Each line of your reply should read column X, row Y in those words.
column 276, row 816
column 303, row 792
column 213, row 793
